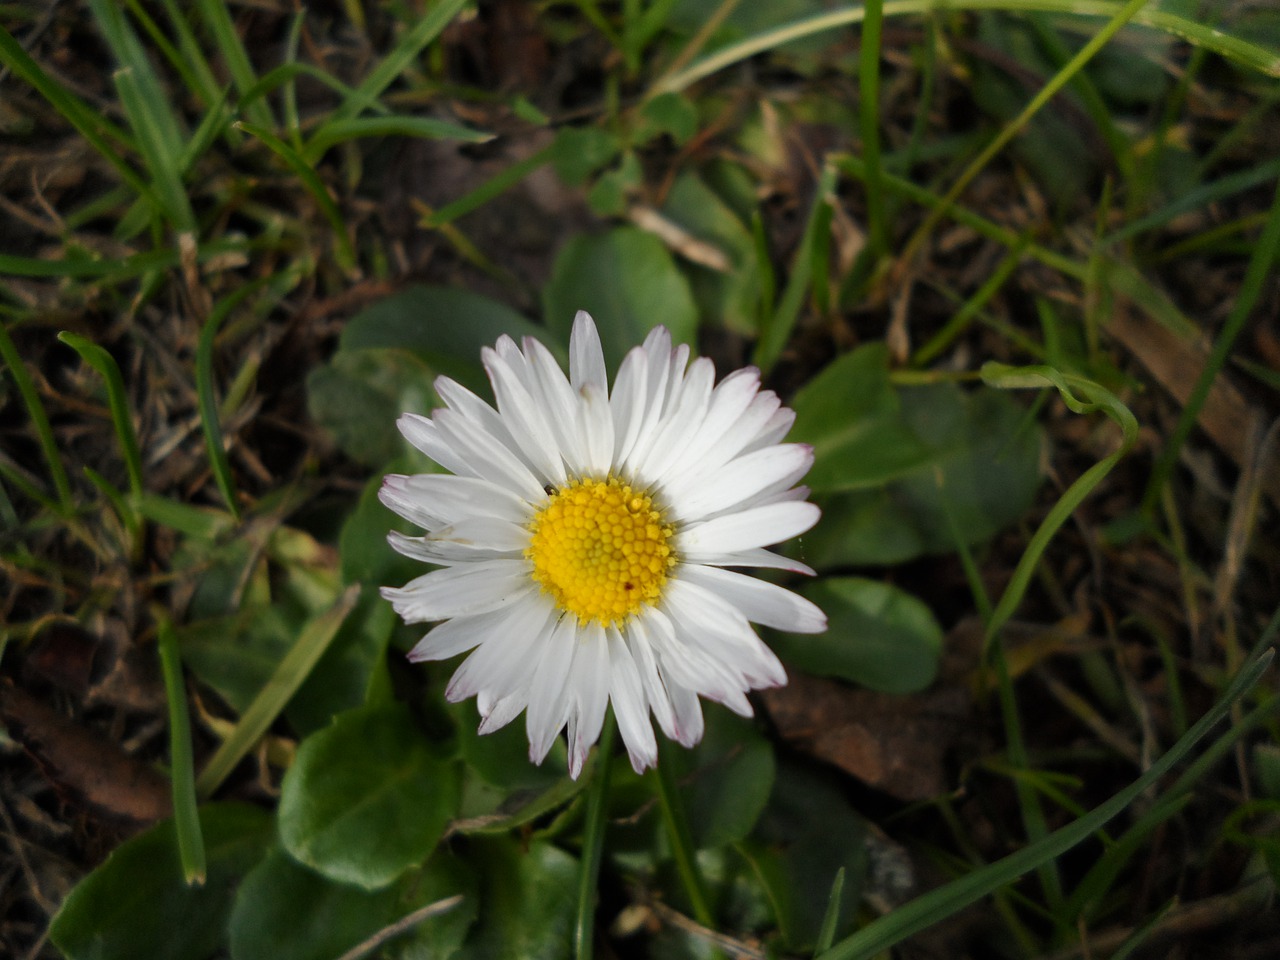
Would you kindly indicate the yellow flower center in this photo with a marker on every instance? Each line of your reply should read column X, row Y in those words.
column 601, row 549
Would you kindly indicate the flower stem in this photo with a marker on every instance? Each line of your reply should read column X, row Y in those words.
column 593, row 844
column 681, row 839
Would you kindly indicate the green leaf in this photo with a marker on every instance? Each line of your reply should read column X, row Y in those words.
column 443, row 326
column 365, row 556
column 359, row 394
column 578, row 152
column 283, row 911
column 502, row 757
column 609, row 195
column 981, row 473
column 878, row 635
column 367, row 798
column 628, row 282
column 528, row 902
column 732, row 297
column 808, row 834
column 930, row 908
column 136, row 905
column 669, row 113
column 292, row 670
column 850, row 414
column 726, row 780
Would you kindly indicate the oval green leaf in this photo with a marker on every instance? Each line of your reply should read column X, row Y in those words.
column 136, row 905
column 850, row 414
column 628, row 282
column 283, row 911
column 878, row 635
column 367, row 798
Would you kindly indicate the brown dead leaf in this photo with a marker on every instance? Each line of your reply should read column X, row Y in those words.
column 894, row 743
column 75, row 758
column 1227, row 417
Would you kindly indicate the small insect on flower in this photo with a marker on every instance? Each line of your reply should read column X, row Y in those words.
column 584, row 540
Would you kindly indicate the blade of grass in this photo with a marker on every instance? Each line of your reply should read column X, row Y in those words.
column 593, row 844
column 693, row 47
column 39, row 419
column 292, row 119
column 1096, row 398
column 182, row 764
column 1097, row 108
column 869, row 127
column 961, row 319
column 395, row 125
column 226, row 40
column 187, row 58
column 1032, row 813
column 932, row 907
column 1100, row 877
column 1250, row 290
column 127, row 512
column 915, row 245
column 122, row 420
column 493, row 187
column 406, row 50
column 284, row 681
column 210, row 419
column 1247, row 54
column 117, row 400
column 678, row 834
column 986, row 228
column 145, row 104
column 780, row 324
column 830, row 919
column 1233, row 183
column 345, row 253
column 88, row 122
column 80, row 266
column 201, row 523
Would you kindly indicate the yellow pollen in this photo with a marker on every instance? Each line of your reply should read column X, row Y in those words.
column 601, row 549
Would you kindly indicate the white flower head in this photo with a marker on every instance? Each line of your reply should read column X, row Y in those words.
column 584, row 538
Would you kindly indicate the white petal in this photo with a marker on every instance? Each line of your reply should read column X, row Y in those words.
column 501, row 712
column 734, row 439
column 480, row 538
column 764, row 559
column 463, row 633
column 758, row 600
column 524, row 416
column 730, row 400
column 586, row 356
column 743, row 479
column 423, row 433
column 646, row 660
column 630, row 704
column 561, row 403
column 546, row 713
column 487, row 455
column 689, row 722
column 629, row 402
column 436, row 499
column 756, row 527
column 774, row 431
column 588, row 687
column 597, row 430
column 651, row 457
column 498, row 665
column 722, row 634
column 461, row 591
column 690, row 661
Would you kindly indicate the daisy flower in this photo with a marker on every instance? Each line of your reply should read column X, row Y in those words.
column 583, row 540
